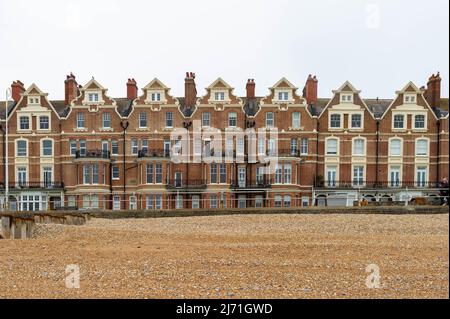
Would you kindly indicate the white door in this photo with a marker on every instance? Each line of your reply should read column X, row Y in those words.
column 241, row 176
column 395, row 176
column 116, row 202
column 331, row 176
column 421, row 176
column 195, row 201
column 133, row 202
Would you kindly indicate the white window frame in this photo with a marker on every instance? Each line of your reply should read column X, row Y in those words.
column 390, row 146
column 327, row 145
column 346, row 97
column 42, row 147
column 424, row 122
column 296, row 120
column 219, row 96
column 340, row 121
column 105, row 120
column 143, row 117
column 409, row 98
column 270, row 119
column 81, row 117
column 404, row 121
column 361, row 126
column 113, row 172
column 168, row 117
column 19, row 124
column 364, row 146
column 17, row 147
column 48, row 122
column 232, row 116
column 416, row 146
column 206, row 119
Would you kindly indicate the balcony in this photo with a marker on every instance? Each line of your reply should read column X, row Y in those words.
column 100, row 154
column 246, row 185
column 153, row 153
column 191, row 184
column 360, row 184
column 34, row 185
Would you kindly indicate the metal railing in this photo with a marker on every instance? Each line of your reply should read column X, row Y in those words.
column 153, row 153
column 29, row 185
column 93, row 154
column 182, row 184
column 362, row 184
column 247, row 184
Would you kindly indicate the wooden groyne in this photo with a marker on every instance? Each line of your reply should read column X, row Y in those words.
column 22, row 225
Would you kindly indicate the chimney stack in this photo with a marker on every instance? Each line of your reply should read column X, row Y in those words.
column 310, row 90
column 250, row 89
column 433, row 91
column 17, row 88
column 70, row 88
column 132, row 89
column 190, row 91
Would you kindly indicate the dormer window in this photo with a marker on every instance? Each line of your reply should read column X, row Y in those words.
column 34, row 100
column 409, row 98
column 219, row 96
column 156, row 97
column 346, row 97
column 283, row 96
column 93, row 97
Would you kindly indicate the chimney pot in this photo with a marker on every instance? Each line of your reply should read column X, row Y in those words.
column 190, row 90
column 70, row 88
column 310, row 90
column 250, row 88
column 132, row 89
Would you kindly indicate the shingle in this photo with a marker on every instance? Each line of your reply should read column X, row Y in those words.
column 378, row 106
column 124, row 105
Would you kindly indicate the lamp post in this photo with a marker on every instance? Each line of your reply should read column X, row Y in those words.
column 8, row 95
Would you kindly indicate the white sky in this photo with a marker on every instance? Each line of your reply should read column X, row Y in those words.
column 377, row 45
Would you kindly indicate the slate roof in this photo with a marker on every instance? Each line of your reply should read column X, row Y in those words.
column 251, row 106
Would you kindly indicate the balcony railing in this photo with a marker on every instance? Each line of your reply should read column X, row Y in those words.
column 34, row 185
column 93, row 154
column 153, row 153
column 181, row 184
column 289, row 153
column 361, row 184
column 256, row 184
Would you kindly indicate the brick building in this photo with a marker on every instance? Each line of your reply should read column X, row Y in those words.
column 93, row 151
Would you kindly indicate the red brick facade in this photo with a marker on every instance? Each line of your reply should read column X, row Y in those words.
column 94, row 151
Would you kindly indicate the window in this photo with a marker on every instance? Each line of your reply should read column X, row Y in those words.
column 82, row 147
column 358, row 146
column 44, row 123
column 395, row 147
column 223, row 173
column 158, row 201
column 261, row 146
column 106, row 120
column 134, row 146
column 73, row 147
column 421, row 176
column 394, row 176
column 358, row 175
column 277, row 201
column 287, row 201
column 272, row 147
column 335, row 120
column 294, row 146
column 332, row 146
column 206, row 119
column 71, row 201
column 422, row 147
column 94, row 173
column 105, row 147
column 232, row 119
column 305, row 201
column 304, row 146
column 22, row 149
column 283, row 96
column 93, row 97
column 258, row 201
column 346, row 97
column 399, row 121
column 94, row 201
column 269, row 119
column 86, row 174
column 287, row 173
column 409, row 98
column 213, row 173
column 114, row 147
column 213, row 201
column 149, row 173
column 296, row 120
column 219, row 96
column 278, row 174
column 24, row 122
column 86, row 201
column 33, row 100
column 356, row 121
column 158, row 173
column 142, row 120
column 240, row 146
column 419, row 121
column 149, row 202
column 144, row 146
column 169, row 119
column 47, row 147
column 115, row 172
column 80, row 120
column 156, row 96
column 260, row 175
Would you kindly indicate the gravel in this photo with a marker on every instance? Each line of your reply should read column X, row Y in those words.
column 237, row 256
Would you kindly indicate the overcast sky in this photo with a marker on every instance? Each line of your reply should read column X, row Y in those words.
column 377, row 45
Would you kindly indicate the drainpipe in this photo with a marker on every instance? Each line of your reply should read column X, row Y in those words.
column 438, row 151
column 377, row 153
column 124, row 128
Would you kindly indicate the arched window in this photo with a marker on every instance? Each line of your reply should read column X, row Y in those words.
column 359, row 147
column 332, row 146
column 422, row 147
column 395, row 147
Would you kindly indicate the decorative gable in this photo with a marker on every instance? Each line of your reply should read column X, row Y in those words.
column 155, row 92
